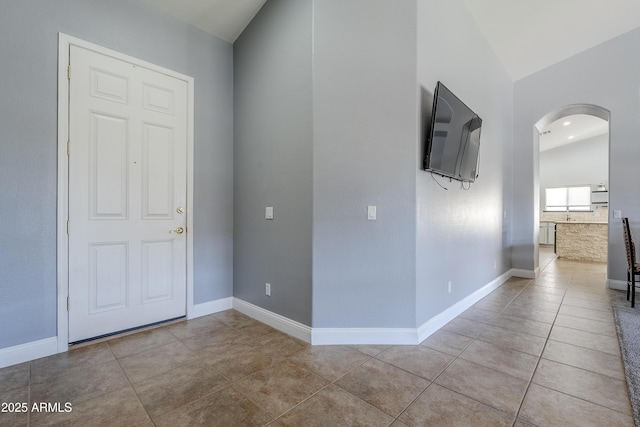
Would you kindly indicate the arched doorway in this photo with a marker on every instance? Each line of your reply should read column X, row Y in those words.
column 571, row 183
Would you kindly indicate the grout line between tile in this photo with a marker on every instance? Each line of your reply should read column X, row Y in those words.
column 539, row 359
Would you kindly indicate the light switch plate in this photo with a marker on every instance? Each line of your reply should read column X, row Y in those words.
column 617, row 214
column 268, row 212
column 371, row 213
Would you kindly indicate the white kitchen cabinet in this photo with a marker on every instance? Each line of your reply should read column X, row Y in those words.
column 599, row 198
column 542, row 235
column 551, row 233
column 547, row 235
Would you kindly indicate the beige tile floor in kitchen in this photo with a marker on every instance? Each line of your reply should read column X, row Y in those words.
column 534, row 352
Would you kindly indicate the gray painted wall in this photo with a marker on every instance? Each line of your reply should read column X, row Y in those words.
column 366, row 121
column 462, row 235
column 608, row 76
column 272, row 159
column 320, row 152
column 28, row 141
column 365, row 130
column 582, row 163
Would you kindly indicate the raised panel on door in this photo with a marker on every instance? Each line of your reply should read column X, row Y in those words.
column 157, row 270
column 108, row 276
column 158, row 99
column 108, row 166
column 109, row 86
column 158, row 172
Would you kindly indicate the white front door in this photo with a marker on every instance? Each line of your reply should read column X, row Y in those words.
column 127, row 195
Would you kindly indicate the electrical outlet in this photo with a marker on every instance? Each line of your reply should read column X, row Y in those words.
column 267, row 289
column 449, row 287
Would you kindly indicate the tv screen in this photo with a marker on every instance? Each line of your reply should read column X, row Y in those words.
column 452, row 137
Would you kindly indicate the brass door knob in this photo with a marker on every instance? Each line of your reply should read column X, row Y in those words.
column 178, row 230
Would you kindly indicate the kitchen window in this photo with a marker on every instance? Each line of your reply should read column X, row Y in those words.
column 565, row 199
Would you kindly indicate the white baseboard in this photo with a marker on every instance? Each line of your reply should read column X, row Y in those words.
column 438, row 321
column 209, row 307
column 48, row 346
column 620, row 285
column 29, row 351
column 281, row 323
column 403, row 336
column 346, row 336
column 525, row 274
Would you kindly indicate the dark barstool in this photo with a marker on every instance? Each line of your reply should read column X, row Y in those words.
column 633, row 267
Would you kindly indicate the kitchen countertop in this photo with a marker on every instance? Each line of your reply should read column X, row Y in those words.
column 579, row 222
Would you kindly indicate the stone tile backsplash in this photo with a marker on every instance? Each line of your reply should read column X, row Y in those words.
column 600, row 213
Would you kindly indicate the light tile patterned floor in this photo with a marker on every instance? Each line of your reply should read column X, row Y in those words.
column 534, row 352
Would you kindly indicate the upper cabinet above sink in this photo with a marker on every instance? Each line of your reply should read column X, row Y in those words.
column 600, row 197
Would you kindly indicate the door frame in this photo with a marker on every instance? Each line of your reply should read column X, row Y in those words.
column 64, row 43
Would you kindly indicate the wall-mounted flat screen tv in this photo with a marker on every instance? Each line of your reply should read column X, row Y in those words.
column 452, row 137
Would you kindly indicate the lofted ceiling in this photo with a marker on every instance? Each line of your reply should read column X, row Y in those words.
column 225, row 19
column 527, row 35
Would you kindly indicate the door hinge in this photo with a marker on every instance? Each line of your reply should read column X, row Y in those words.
column 69, row 72
column 67, row 226
column 68, row 147
column 68, row 304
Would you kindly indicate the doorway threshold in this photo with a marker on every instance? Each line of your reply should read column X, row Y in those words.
column 124, row 332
